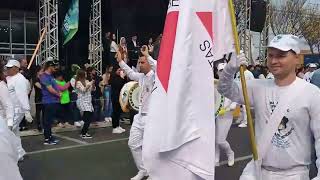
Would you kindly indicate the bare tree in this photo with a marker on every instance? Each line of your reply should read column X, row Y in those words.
column 310, row 27
column 238, row 6
column 286, row 16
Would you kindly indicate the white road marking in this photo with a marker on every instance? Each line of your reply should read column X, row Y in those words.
column 76, row 146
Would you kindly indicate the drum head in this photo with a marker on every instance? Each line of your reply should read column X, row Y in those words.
column 134, row 97
column 124, row 96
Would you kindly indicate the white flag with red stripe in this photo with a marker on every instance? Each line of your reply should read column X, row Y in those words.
column 181, row 121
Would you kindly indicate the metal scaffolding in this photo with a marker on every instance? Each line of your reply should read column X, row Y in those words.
column 95, row 36
column 244, row 29
column 264, row 35
column 48, row 21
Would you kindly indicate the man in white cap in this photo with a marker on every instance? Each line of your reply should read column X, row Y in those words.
column 19, row 88
column 311, row 68
column 224, row 119
column 285, row 121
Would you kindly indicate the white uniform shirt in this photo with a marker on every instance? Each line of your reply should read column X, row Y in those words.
column 307, row 76
column 270, row 76
column 292, row 142
column 19, row 88
column 146, row 82
column 6, row 106
column 247, row 75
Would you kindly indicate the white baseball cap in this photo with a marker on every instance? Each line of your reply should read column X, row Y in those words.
column 312, row 65
column 12, row 63
column 221, row 66
column 285, row 42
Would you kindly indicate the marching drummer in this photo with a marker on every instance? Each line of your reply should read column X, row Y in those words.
column 223, row 125
column 145, row 78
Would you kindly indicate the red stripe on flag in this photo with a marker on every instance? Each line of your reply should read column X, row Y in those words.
column 166, row 49
column 206, row 19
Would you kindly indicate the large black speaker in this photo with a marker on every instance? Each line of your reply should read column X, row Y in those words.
column 258, row 15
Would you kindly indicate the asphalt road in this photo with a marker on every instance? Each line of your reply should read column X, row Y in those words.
column 107, row 157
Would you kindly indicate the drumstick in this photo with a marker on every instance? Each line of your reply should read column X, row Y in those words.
column 37, row 47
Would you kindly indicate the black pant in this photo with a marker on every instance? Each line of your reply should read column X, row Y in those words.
column 23, row 123
column 74, row 109
column 112, row 59
column 87, row 116
column 116, row 111
column 50, row 111
column 132, row 114
column 97, row 109
column 39, row 111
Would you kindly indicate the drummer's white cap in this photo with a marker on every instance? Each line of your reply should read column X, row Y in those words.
column 313, row 65
column 285, row 42
column 221, row 66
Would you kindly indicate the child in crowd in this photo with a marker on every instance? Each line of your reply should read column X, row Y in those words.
column 65, row 104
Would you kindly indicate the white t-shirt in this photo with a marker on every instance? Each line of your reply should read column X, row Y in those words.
column 19, row 88
column 114, row 47
column 292, row 142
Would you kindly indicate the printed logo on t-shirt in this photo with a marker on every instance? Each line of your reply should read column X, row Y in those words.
column 11, row 90
column 280, row 139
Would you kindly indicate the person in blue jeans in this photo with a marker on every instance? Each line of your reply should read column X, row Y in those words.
column 50, row 98
column 106, row 91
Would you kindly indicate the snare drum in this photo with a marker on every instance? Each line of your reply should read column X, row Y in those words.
column 130, row 96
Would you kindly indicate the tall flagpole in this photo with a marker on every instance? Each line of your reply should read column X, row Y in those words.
column 243, row 83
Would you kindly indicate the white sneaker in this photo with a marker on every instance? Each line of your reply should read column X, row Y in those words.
column 123, row 130
column 231, row 159
column 238, row 121
column 117, row 131
column 107, row 119
column 139, row 176
column 77, row 124
column 242, row 125
column 60, row 125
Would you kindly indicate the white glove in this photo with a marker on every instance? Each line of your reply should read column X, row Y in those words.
column 235, row 63
column 28, row 117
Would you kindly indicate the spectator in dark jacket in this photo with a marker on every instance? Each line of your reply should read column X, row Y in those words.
column 117, row 83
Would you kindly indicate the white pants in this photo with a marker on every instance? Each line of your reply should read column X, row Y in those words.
column 136, row 139
column 298, row 173
column 244, row 114
column 223, row 125
column 15, row 129
column 168, row 170
column 8, row 154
